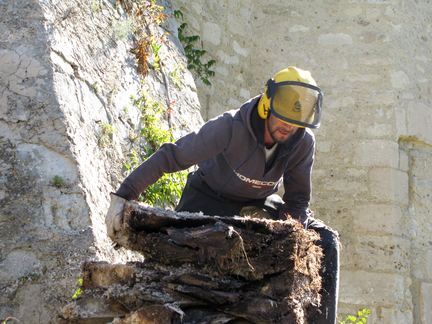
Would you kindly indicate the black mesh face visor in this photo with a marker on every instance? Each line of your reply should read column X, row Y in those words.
column 295, row 102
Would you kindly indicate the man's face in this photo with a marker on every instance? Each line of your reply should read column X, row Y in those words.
column 280, row 131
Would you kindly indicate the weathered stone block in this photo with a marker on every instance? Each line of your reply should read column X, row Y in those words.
column 221, row 70
column 212, row 33
column 419, row 119
column 353, row 11
column 401, row 120
column 383, row 98
column 387, row 184
column 392, row 315
column 371, row 288
column 375, row 130
column 422, row 261
column 336, row 39
column 9, row 63
column 298, row 28
column 18, row 264
column 236, row 25
column 380, row 253
column 227, row 59
column 403, row 161
column 420, row 164
column 18, row 86
column 33, row 68
column 353, row 187
column 339, row 102
column 367, row 37
column 240, row 50
column 399, row 79
column 324, row 146
column 379, row 218
column 35, row 310
column 46, row 163
column 425, row 303
column 244, row 93
column 65, row 211
column 3, row 194
column 382, row 153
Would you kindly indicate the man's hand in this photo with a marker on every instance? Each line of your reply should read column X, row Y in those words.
column 114, row 216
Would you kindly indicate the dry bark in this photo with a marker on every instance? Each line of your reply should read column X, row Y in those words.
column 204, row 269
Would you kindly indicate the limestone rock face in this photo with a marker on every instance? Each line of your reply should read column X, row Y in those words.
column 66, row 74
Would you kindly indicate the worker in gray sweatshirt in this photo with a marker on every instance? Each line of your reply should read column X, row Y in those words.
column 243, row 157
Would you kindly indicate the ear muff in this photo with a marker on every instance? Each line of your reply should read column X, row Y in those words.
column 264, row 103
column 264, row 106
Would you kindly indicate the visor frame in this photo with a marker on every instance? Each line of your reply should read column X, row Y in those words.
column 271, row 90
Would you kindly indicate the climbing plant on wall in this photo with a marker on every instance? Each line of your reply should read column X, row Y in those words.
column 149, row 40
column 156, row 128
column 361, row 317
column 194, row 54
column 166, row 191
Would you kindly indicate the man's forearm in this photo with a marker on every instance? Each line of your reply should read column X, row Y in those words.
column 145, row 175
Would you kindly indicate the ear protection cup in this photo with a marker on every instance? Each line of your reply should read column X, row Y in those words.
column 264, row 106
column 264, row 103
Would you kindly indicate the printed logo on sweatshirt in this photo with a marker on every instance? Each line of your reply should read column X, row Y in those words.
column 256, row 183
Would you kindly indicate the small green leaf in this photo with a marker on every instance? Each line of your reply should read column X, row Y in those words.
column 77, row 293
column 178, row 14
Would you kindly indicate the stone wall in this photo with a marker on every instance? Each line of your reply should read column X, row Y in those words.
column 371, row 178
column 66, row 71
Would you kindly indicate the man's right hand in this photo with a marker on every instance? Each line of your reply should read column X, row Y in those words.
column 114, row 216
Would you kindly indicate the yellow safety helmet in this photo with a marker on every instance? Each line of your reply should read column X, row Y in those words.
column 292, row 96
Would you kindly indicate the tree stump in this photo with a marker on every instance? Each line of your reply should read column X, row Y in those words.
column 203, row 269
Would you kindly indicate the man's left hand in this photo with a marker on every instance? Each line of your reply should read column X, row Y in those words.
column 114, row 216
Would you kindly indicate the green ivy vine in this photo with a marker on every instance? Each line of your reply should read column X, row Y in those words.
column 194, row 55
column 167, row 190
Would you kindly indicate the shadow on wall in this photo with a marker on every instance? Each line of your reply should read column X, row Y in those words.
column 43, row 222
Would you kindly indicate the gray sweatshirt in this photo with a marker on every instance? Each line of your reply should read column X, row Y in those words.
column 229, row 150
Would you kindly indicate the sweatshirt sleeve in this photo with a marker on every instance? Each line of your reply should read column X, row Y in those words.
column 212, row 139
column 298, row 186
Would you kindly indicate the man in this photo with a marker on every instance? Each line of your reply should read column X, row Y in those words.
column 243, row 157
